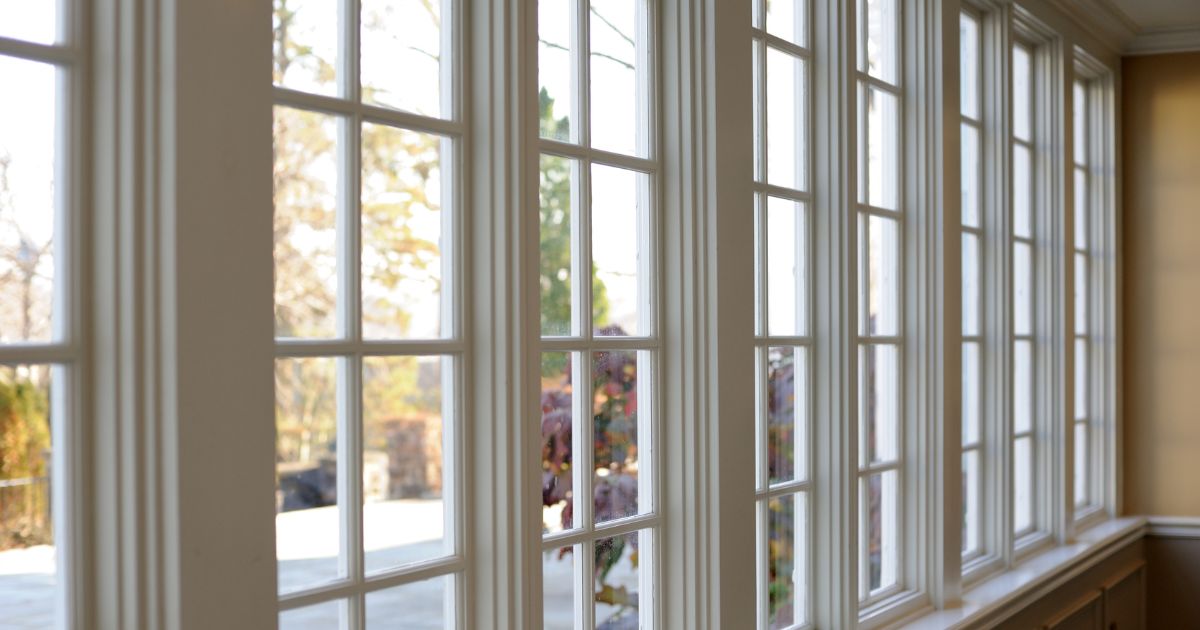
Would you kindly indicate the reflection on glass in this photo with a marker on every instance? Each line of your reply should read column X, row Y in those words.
column 968, row 41
column 786, row 20
column 786, row 587
column 881, row 276
column 971, row 190
column 1081, row 464
column 971, row 502
column 403, row 232
column 615, row 395
column 786, row 279
column 1022, row 201
column 787, row 412
column 879, row 402
column 405, row 414
column 971, row 384
column 1022, row 289
column 619, row 291
column 556, row 194
column 555, row 70
column 786, row 120
column 1022, row 484
column 305, row 45
column 306, row 193
column 323, row 616
column 28, row 195
column 618, row 581
column 971, row 273
column 619, row 98
column 1022, row 386
column 558, row 505
column 1081, row 379
column 883, row 149
column 559, row 593
column 881, row 527
column 401, row 34
column 882, row 40
column 1022, row 93
column 424, row 605
column 307, row 521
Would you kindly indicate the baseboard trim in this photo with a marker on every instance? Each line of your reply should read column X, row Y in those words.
column 1187, row 527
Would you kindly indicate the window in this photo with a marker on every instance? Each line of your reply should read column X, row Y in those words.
column 781, row 206
column 598, row 173
column 41, row 360
column 368, row 309
column 880, row 347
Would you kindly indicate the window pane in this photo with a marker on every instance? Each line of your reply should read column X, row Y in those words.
column 972, row 501
column 1022, row 484
column 882, row 277
column 786, row 562
column 404, row 231
column 401, row 34
column 1022, row 192
column 1081, row 379
column 1022, row 386
column 558, row 505
column 28, row 197
column 971, row 386
column 971, row 189
column 786, row 20
column 323, row 616
column 968, row 34
column 882, row 39
column 406, row 413
column 1022, row 94
column 786, row 120
column 306, row 192
column 619, row 98
column 787, row 413
column 786, row 279
column 879, row 395
column 1022, row 289
column 425, row 605
column 1080, row 126
column 883, row 149
column 971, row 289
column 557, row 197
column 619, row 232
column 615, row 395
column 555, row 69
column 28, row 564
column 305, row 45
column 559, row 592
column 1081, row 464
column 1081, row 294
column 1081, row 205
column 880, row 507
column 619, row 580
column 307, row 521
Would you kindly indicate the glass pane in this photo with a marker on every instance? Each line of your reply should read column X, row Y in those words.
column 619, row 97
column 786, row 20
column 971, row 189
column 323, row 616
column 555, row 69
column 758, row 48
column 404, row 231
column 787, row 413
column 1022, row 202
column 615, row 396
column 1022, row 94
column 307, row 520
column 1022, row 289
column 1081, row 464
column 880, row 508
column 972, row 511
column 559, row 594
column 1022, row 386
column 971, row 390
column 406, row 412
column 558, row 505
column 786, row 120
column 786, row 562
column 1022, row 484
column 618, row 580
column 882, row 39
column 425, row 605
column 786, row 279
column 306, row 194
column 971, row 290
column 1081, row 294
column 882, row 291
column 401, row 34
column 28, row 554
column 305, row 45
column 28, row 197
column 557, row 196
column 1081, row 205
column 1081, row 379
column 1080, row 126
column 879, row 406
column 883, row 149
column 619, row 223
column 968, row 41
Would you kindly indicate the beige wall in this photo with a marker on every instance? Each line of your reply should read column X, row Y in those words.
column 1161, row 136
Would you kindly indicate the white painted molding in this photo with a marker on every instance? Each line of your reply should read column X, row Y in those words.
column 1169, row 40
column 1173, row 526
column 1103, row 20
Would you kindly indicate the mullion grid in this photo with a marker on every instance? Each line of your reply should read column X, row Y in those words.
column 350, row 348
column 797, row 338
column 583, row 344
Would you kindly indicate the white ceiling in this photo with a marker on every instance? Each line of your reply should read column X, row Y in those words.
column 1161, row 14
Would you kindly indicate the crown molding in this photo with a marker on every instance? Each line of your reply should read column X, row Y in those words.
column 1103, row 20
column 1166, row 40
